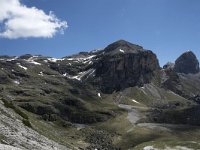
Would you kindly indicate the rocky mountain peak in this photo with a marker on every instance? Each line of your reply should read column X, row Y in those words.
column 187, row 63
column 168, row 65
column 122, row 46
column 124, row 65
column 26, row 56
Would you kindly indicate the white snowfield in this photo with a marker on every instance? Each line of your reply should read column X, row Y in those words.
column 16, row 136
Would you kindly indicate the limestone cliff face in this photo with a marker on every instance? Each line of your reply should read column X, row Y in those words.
column 124, row 65
column 187, row 63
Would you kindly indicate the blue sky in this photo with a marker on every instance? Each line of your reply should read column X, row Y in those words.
column 167, row 27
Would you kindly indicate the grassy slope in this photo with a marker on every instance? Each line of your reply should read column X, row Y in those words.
column 130, row 136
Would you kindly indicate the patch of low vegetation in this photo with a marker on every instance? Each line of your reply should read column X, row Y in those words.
column 27, row 123
column 18, row 111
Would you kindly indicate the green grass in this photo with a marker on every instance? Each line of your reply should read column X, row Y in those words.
column 18, row 110
column 27, row 123
column 67, row 136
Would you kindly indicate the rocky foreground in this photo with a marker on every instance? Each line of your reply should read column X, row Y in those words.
column 15, row 133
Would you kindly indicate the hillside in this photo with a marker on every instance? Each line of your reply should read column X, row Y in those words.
column 114, row 98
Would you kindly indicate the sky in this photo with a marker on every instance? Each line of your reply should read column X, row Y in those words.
column 58, row 28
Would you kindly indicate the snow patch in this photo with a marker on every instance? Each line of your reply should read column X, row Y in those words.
column 71, row 58
column 80, row 75
column 77, row 77
column 121, row 50
column 65, row 74
column 41, row 73
column 99, row 95
column 54, row 59
column 31, row 60
column 34, row 62
column 25, row 68
column 91, row 73
column 96, row 50
column 16, row 82
column 12, row 59
column 135, row 101
column 82, row 59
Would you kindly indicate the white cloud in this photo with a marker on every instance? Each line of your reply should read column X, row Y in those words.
column 20, row 21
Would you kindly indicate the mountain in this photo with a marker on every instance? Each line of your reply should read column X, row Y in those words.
column 124, row 65
column 112, row 98
column 183, row 76
column 187, row 63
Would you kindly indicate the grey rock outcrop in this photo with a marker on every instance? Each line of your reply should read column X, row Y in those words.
column 125, row 65
column 168, row 65
column 187, row 63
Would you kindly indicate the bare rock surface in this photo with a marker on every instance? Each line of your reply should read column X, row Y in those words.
column 125, row 65
column 187, row 63
column 21, row 137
